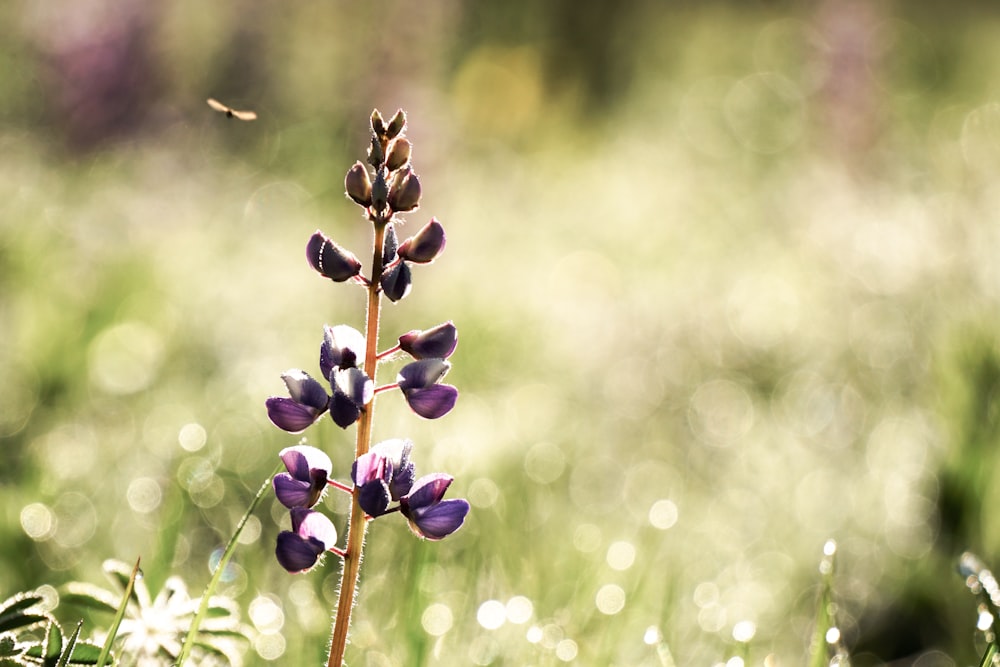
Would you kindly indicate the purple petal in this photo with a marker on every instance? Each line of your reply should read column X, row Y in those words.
column 441, row 520
column 373, row 497
column 432, row 402
column 343, row 411
column 310, row 524
column 343, row 347
column 304, row 389
column 290, row 416
column 422, row 373
column 301, row 459
column 428, row 490
column 397, row 452
column 372, row 465
column 291, row 492
column 354, row 384
column 296, row 554
column 439, row 341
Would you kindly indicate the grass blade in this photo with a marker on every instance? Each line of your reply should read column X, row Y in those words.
column 119, row 615
column 189, row 640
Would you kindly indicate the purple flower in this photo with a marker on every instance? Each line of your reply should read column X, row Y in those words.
column 308, row 401
column 437, row 342
column 419, row 382
column 431, row 517
column 343, row 347
column 382, row 475
column 352, row 390
column 304, row 483
column 311, row 535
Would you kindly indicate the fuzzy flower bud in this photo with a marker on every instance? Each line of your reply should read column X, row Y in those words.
column 399, row 154
column 438, row 342
column 330, row 260
column 396, row 125
column 404, row 193
column 376, row 152
column 424, row 246
column 380, row 192
column 378, row 125
column 359, row 185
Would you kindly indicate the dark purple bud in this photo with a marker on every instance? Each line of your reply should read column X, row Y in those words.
column 312, row 534
column 376, row 152
column 399, row 154
column 352, row 390
column 432, row 402
column 304, row 483
column 439, row 341
column 396, row 125
column 431, row 517
column 426, row 245
column 358, row 184
column 404, row 193
column 330, row 260
column 343, row 347
column 389, row 245
column 380, row 192
column 396, row 281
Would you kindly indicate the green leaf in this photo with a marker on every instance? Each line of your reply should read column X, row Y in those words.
column 53, row 641
column 85, row 653
column 70, row 645
column 88, row 596
column 12, row 611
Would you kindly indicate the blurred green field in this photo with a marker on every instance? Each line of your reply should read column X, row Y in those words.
column 726, row 278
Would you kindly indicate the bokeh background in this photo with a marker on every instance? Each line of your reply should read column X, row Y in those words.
column 726, row 277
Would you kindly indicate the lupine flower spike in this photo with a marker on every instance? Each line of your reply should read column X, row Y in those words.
column 383, row 476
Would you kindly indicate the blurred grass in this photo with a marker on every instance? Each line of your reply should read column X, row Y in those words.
column 728, row 297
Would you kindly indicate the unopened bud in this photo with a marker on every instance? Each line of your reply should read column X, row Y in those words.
column 396, row 125
column 396, row 281
column 378, row 125
column 389, row 245
column 376, row 152
column 399, row 154
column 424, row 246
column 380, row 192
column 330, row 260
column 404, row 194
column 359, row 185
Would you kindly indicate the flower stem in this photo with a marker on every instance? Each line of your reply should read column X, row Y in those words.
column 358, row 523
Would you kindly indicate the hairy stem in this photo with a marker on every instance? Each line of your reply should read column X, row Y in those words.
column 358, row 523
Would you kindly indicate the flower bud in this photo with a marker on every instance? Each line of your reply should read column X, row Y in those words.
column 399, row 154
column 396, row 125
column 424, row 246
column 396, row 281
column 437, row 342
column 330, row 260
column 376, row 152
column 380, row 192
column 359, row 185
column 378, row 125
column 404, row 194
column 389, row 245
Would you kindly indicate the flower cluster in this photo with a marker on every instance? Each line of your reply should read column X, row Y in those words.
column 383, row 476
